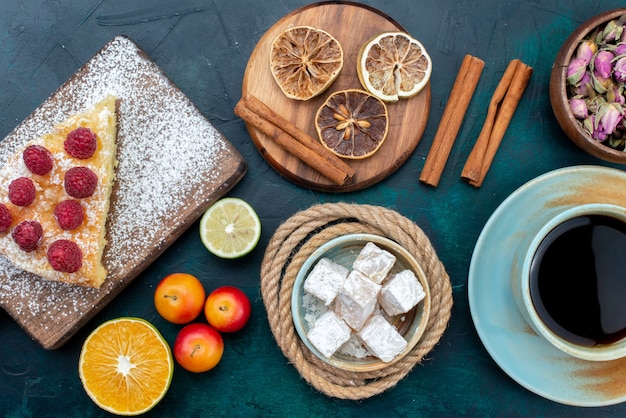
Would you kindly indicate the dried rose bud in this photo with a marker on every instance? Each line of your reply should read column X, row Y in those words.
column 576, row 70
column 603, row 63
column 586, row 49
column 585, row 87
column 614, row 94
column 578, row 107
column 620, row 49
column 612, row 31
column 608, row 117
column 619, row 70
column 594, row 103
column 615, row 142
column 589, row 124
column 600, row 84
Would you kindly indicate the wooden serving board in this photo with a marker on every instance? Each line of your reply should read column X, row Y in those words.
column 352, row 25
column 172, row 165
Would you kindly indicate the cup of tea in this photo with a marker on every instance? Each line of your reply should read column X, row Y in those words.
column 573, row 283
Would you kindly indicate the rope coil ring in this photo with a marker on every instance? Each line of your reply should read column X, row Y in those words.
column 287, row 251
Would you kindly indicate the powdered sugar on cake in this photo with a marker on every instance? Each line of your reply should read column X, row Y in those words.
column 50, row 189
column 168, row 157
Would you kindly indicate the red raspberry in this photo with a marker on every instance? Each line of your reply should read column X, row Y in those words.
column 28, row 235
column 81, row 143
column 65, row 255
column 69, row 214
column 80, row 182
column 22, row 191
column 37, row 159
column 5, row 218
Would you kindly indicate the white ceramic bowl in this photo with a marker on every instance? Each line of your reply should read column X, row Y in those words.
column 344, row 250
column 600, row 352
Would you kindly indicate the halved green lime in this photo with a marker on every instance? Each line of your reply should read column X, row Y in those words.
column 230, row 228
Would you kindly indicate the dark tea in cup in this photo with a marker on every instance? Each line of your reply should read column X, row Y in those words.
column 578, row 280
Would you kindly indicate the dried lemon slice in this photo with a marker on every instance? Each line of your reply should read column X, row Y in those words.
column 305, row 61
column 393, row 65
column 352, row 123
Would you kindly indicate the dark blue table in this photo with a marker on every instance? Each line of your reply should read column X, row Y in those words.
column 205, row 52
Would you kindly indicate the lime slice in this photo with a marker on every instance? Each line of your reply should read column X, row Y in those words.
column 230, row 228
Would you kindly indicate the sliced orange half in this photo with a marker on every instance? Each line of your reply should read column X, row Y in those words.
column 126, row 366
column 305, row 61
column 393, row 65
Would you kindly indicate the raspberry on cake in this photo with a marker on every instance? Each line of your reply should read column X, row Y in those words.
column 55, row 196
column 28, row 235
column 22, row 191
column 69, row 214
column 80, row 182
column 5, row 218
column 65, row 255
column 81, row 143
column 37, row 159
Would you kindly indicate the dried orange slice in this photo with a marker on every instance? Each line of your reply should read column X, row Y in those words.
column 126, row 366
column 352, row 123
column 305, row 61
column 393, row 65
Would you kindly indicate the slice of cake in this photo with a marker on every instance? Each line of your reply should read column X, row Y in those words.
column 55, row 196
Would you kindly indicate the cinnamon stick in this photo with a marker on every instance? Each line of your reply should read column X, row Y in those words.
column 502, row 106
column 452, row 118
column 318, row 159
column 263, row 110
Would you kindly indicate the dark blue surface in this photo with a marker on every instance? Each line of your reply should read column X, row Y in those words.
column 205, row 52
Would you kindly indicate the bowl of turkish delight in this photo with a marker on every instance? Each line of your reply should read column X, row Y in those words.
column 360, row 302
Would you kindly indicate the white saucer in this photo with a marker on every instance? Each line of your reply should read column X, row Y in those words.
column 520, row 352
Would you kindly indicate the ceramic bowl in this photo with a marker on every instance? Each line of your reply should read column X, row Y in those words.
column 601, row 352
column 559, row 95
column 343, row 250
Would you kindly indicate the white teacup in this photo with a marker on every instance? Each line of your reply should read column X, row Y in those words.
column 597, row 352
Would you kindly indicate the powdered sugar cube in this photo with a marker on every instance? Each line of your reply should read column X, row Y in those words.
column 374, row 262
column 382, row 339
column 357, row 299
column 325, row 280
column 401, row 293
column 329, row 333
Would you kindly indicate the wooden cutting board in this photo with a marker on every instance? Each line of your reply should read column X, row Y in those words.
column 172, row 165
column 352, row 25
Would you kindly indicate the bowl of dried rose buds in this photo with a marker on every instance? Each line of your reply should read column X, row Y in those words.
column 588, row 86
